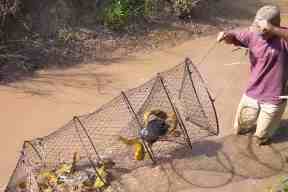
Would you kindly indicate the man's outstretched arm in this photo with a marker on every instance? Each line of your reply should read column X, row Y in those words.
column 237, row 38
column 226, row 37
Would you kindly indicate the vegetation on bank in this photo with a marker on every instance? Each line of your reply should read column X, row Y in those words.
column 118, row 14
column 35, row 34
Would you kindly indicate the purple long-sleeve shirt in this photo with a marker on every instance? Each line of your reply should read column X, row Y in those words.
column 269, row 64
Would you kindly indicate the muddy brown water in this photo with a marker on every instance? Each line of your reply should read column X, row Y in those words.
column 38, row 106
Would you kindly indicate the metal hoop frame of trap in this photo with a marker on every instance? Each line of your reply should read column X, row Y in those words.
column 188, row 63
column 35, row 149
column 20, row 165
column 87, row 152
column 175, row 110
column 130, row 108
column 31, row 175
column 85, row 136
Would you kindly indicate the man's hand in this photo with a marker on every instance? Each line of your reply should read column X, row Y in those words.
column 221, row 36
column 227, row 38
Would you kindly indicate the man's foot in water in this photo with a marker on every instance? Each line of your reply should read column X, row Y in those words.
column 260, row 141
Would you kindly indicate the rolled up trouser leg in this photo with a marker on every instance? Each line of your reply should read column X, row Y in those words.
column 246, row 115
column 269, row 119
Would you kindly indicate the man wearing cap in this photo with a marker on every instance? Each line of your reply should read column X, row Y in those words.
column 261, row 105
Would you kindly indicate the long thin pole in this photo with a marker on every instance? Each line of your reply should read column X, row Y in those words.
column 182, row 125
column 283, row 97
column 87, row 152
column 147, row 148
column 183, row 80
column 88, row 136
column 187, row 63
column 34, row 148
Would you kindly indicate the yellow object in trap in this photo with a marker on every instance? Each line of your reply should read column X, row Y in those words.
column 139, row 151
column 101, row 182
column 48, row 176
column 63, row 169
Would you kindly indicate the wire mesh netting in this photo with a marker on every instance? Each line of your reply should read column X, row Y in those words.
column 113, row 132
column 24, row 170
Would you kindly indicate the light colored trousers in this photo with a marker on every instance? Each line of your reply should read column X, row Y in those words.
column 264, row 116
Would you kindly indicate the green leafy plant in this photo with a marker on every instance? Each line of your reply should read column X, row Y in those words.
column 118, row 13
column 282, row 186
column 184, row 6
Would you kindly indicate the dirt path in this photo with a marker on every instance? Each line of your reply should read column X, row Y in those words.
column 38, row 106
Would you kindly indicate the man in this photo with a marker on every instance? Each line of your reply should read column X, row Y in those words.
column 261, row 105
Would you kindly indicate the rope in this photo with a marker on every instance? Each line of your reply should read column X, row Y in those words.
column 209, row 51
column 241, row 59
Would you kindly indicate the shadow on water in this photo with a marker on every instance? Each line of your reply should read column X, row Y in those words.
column 206, row 147
column 281, row 134
column 229, row 160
